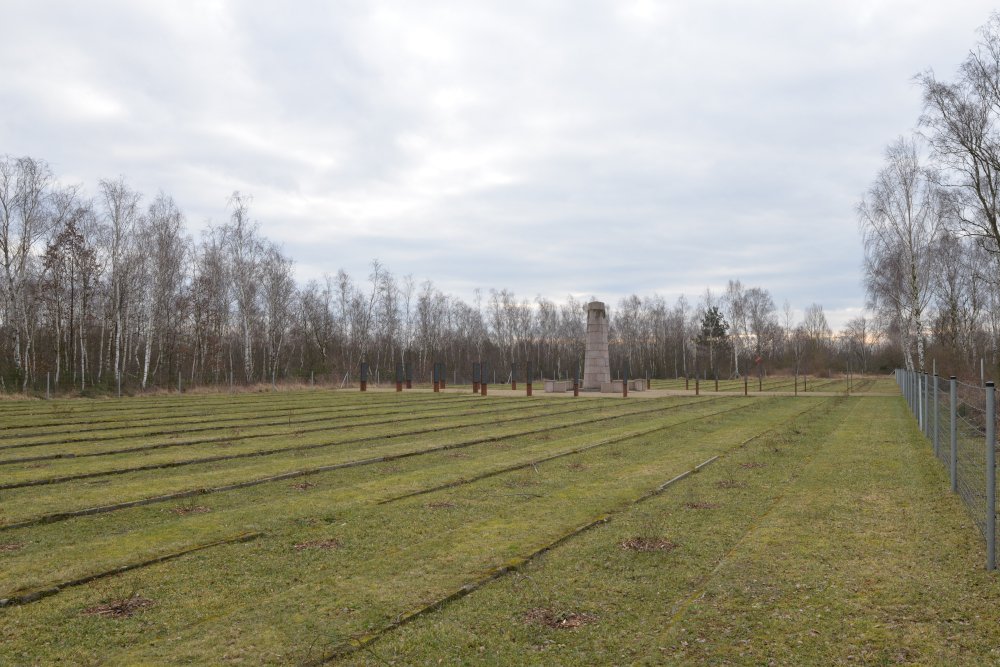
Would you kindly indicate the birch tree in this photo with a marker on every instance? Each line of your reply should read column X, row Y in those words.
column 24, row 222
column 962, row 122
column 901, row 219
column 245, row 252
column 121, row 216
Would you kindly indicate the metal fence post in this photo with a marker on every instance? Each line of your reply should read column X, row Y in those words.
column 904, row 382
column 937, row 444
column 909, row 392
column 922, row 398
column 926, row 387
column 906, row 388
column 927, row 405
column 991, row 477
column 920, row 401
column 954, row 433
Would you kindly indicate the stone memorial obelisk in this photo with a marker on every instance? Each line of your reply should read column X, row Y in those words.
column 596, row 364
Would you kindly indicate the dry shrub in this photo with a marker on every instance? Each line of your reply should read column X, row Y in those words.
column 731, row 484
column 648, row 544
column 699, row 505
column 302, row 486
column 184, row 510
column 122, row 608
column 11, row 546
column 559, row 620
column 441, row 505
column 318, row 544
column 753, row 464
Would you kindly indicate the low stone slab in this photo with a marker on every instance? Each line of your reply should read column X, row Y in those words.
column 557, row 386
column 615, row 386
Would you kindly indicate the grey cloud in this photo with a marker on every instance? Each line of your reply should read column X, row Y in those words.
column 671, row 145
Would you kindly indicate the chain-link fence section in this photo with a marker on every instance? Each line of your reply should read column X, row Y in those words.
column 959, row 421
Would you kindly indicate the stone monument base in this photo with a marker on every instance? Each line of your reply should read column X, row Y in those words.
column 615, row 386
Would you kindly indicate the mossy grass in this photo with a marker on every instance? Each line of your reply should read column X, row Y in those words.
column 868, row 384
column 23, row 503
column 839, row 545
column 823, row 534
column 205, row 607
column 153, row 528
column 97, row 455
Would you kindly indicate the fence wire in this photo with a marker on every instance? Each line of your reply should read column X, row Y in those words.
column 967, row 455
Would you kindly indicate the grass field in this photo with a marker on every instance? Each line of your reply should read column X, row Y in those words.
column 420, row 528
column 856, row 385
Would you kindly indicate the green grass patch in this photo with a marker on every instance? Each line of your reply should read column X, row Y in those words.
column 822, row 534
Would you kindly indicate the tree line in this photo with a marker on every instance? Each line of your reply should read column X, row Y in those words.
column 109, row 288
column 930, row 222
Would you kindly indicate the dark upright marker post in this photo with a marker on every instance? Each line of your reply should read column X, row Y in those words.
column 399, row 376
column 441, row 375
column 476, row 370
column 576, row 380
column 364, row 376
column 528, row 378
column 625, row 381
column 409, row 374
column 484, row 378
column 513, row 376
column 434, row 372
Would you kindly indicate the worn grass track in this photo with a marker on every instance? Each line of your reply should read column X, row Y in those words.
column 22, row 474
column 142, row 527
column 797, row 478
column 833, row 542
column 151, row 427
column 779, row 383
column 125, row 486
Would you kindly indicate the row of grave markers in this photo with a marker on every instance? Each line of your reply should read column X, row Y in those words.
column 404, row 376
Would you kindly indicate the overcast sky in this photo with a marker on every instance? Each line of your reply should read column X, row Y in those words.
column 553, row 148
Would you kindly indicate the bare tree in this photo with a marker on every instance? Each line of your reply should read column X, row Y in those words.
column 245, row 251
column 762, row 323
column 121, row 216
column 24, row 222
column 279, row 304
column 901, row 218
column 860, row 337
column 963, row 123
column 166, row 247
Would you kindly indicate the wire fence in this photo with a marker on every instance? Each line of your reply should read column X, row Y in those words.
column 959, row 420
